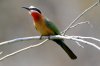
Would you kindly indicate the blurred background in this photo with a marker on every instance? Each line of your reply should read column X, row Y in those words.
column 15, row 22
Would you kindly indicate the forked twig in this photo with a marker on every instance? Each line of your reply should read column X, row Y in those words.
column 71, row 24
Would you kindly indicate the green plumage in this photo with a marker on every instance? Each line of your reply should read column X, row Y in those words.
column 51, row 26
column 61, row 43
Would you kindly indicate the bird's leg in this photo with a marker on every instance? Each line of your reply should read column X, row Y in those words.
column 40, row 37
column 49, row 37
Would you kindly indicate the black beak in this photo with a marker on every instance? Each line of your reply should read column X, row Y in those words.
column 26, row 8
column 35, row 9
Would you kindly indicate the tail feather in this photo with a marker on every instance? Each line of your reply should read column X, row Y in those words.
column 66, row 48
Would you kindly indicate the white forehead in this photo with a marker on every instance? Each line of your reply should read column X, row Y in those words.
column 32, row 10
column 32, row 7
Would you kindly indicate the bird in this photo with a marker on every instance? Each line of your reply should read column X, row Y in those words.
column 46, row 28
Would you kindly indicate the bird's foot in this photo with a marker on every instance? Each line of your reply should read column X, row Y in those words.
column 42, row 36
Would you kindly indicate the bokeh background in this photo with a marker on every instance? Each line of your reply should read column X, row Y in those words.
column 15, row 22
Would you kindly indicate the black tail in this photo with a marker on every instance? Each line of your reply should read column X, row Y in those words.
column 67, row 50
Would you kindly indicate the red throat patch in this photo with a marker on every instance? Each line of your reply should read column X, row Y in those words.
column 36, row 16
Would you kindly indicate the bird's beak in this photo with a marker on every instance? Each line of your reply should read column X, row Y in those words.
column 26, row 8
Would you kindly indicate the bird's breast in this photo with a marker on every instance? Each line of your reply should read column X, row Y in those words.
column 43, row 29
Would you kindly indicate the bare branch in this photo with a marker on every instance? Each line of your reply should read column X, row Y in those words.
column 86, row 42
column 74, row 38
column 71, row 24
column 26, row 48
column 19, row 39
column 80, row 24
column 51, row 37
column 82, row 37
column 81, row 40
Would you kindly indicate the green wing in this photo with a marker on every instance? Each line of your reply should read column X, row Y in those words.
column 52, row 26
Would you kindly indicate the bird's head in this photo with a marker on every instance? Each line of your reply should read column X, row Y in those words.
column 35, row 12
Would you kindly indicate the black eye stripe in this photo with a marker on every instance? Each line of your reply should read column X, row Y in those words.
column 35, row 10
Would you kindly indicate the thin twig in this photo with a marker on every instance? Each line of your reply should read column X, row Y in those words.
column 81, row 40
column 64, row 32
column 86, row 42
column 79, row 44
column 80, row 24
column 31, row 46
column 82, row 37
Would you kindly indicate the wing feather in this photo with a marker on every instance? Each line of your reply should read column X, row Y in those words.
column 52, row 26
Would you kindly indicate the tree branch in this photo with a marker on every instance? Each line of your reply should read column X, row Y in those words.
column 71, row 24
column 74, row 38
column 19, row 39
column 18, row 51
column 80, row 24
